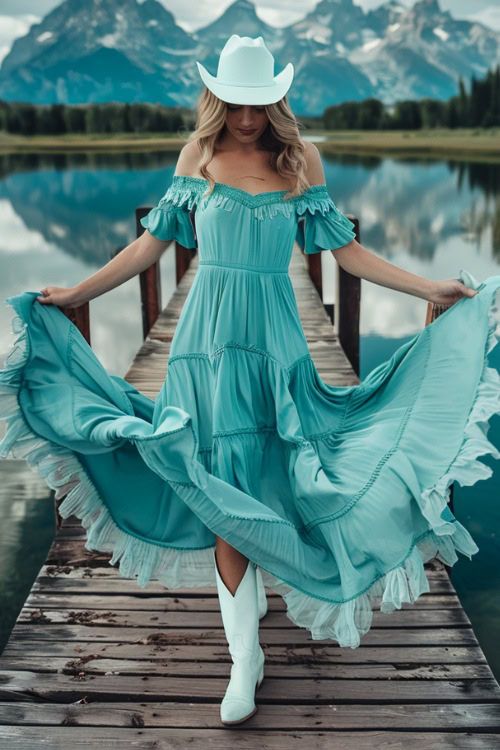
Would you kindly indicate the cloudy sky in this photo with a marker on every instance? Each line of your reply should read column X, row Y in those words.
column 16, row 16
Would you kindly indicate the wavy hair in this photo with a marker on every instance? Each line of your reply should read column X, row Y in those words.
column 281, row 137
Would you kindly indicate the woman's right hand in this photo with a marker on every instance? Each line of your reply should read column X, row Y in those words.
column 61, row 297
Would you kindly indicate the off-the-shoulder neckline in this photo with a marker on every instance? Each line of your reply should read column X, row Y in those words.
column 201, row 180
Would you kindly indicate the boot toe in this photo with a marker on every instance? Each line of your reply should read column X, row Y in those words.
column 234, row 710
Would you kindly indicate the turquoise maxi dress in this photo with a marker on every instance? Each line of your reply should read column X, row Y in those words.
column 339, row 494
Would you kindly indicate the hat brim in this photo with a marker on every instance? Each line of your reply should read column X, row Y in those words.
column 249, row 94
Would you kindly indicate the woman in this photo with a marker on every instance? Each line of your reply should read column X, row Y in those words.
column 247, row 459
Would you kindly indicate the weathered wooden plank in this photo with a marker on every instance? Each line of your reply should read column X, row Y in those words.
column 402, row 655
column 17, row 685
column 173, row 668
column 82, row 571
column 472, row 717
column 290, row 637
column 410, row 618
column 122, row 586
column 275, row 603
column 200, row 739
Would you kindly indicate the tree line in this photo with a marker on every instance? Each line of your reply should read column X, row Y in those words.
column 478, row 107
column 25, row 118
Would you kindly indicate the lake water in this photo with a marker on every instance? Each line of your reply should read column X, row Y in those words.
column 63, row 216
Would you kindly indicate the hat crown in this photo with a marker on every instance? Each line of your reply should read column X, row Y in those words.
column 245, row 73
column 245, row 61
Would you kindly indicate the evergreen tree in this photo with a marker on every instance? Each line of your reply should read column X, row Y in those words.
column 407, row 115
column 452, row 114
column 463, row 106
column 74, row 119
column 432, row 113
column 370, row 114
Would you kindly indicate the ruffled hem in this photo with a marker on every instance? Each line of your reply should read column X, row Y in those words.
column 343, row 621
column 346, row 622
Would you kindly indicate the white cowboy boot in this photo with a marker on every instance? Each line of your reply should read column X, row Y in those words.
column 261, row 594
column 240, row 618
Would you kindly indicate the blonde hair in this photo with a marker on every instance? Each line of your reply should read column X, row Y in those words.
column 281, row 137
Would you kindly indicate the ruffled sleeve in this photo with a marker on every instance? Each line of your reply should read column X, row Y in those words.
column 170, row 219
column 321, row 225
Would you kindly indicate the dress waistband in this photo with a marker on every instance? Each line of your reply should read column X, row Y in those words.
column 243, row 266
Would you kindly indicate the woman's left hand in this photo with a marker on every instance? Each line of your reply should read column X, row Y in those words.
column 450, row 291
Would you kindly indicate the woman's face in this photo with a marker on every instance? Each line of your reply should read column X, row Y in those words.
column 246, row 117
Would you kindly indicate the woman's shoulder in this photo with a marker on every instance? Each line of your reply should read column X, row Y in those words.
column 314, row 172
column 188, row 159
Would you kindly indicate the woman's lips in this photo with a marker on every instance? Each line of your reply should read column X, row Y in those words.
column 247, row 132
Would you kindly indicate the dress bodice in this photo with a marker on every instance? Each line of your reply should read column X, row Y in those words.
column 237, row 228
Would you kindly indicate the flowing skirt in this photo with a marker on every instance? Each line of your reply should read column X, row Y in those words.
column 338, row 520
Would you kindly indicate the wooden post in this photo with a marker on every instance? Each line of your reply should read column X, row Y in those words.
column 433, row 311
column 313, row 261
column 347, row 308
column 80, row 317
column 315, row 271
column 346, row 312
column 150, row 282
column 150, row 279
column 184, row 255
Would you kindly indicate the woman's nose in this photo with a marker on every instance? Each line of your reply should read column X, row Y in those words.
column 246, row 117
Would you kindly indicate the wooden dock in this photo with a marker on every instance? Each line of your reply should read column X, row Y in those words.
column 93, row 658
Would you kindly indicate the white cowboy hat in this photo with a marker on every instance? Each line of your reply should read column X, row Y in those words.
column 245, row 73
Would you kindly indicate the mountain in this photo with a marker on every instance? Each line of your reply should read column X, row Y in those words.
column 336, row 25
column 424, row 51
column 240, row 15
column 384, row 17
column 123, row 50
column 89, row 51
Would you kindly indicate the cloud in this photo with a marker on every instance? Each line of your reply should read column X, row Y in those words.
column 488, row 16
column 13, row 27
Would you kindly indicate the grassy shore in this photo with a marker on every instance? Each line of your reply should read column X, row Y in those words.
column 463, row 143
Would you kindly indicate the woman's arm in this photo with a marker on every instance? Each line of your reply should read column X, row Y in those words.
column 361, row 262
column 140, row 254
column 136, row 257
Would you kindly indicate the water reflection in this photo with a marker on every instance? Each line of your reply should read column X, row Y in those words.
column 83, row 203
column 62, row 216
column 80, row 204
column 26, row 533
